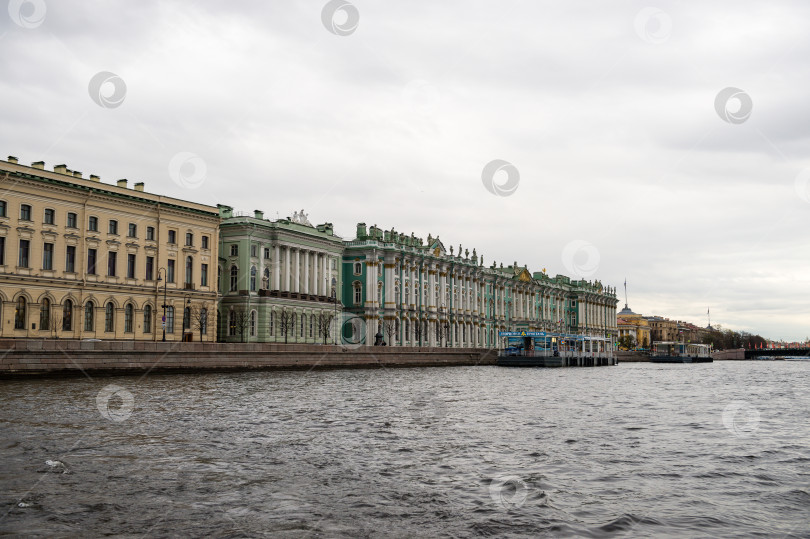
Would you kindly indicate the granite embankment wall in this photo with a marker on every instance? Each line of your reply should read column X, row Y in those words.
column 632, row 356
column 66, row 357
column 729, row 354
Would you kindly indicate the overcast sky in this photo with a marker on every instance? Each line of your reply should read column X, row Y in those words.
column 626, row 161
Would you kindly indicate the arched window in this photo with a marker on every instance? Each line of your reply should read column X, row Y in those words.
column 67, row 315
column 253, row 322
column 189, row 270
column 45, row 314
column 407, row 294
column 253, row 279
column 407, row 330
column 266, row 279
column 311, row 325
column 19, row 313
column 272, row 323
column 234, row 277
column 109, row 317
column 89, row 316
column 147, row 318
column 303, row 322
column 129, row 315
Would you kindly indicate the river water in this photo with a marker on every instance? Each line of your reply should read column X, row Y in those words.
column 635, row 450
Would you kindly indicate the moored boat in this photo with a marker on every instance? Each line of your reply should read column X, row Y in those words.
column 679, row 352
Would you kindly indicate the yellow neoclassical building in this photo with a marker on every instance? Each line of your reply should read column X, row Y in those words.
column 634, row 325
column 84, row 259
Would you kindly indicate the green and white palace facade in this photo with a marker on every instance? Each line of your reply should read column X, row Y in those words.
column 287, row 281
column 404, row 291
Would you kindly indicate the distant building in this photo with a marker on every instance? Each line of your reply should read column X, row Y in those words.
column 635, row 326
column 278, row 280
column 662, row 329
column 404, row 291
column 83, row 259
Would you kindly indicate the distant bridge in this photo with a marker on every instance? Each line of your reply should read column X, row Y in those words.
column 777, row 352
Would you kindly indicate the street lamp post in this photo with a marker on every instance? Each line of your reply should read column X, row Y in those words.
column 164, row 300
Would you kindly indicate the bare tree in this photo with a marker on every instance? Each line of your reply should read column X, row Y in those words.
column 324, row 324
column 199, row 319
column 240, row 320
column 286, row 322
column 55, row 323
column 390, row 330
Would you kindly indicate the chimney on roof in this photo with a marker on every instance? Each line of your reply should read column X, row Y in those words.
column 95, row 178
column 38, row 164
column 258, row 214
column 122, row 183
column 77, row 174
column 139, row 187
column 60, row 169
column 12, row 159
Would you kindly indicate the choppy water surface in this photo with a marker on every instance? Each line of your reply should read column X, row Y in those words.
column 635, row 450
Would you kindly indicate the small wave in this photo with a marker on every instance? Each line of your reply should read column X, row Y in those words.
column 626, row 522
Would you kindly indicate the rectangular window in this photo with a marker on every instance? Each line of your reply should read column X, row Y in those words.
column 25, row 212
column 205, row 242
column 92, row 224
column 3, row 208
column 113, row 227
column 71, row 220
column 47, row 256
column 150, row 267
column 2, row 250
column 170, row 272
column 169, row 319
column 91, row 261
column 70, row 259
column 253, row 250
column 132, row 232
column 204, row 275
column 130, row 266
column 266, row 253
column 234, row 249
column 189, row 239
column 172, row 236
column 150, row 233
column 22, row 260
column 111, row 259
column 49, row 216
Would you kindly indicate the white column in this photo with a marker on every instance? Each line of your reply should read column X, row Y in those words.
column 287, row 278
column 305, row 280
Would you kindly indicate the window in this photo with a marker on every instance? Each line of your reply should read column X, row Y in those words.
column 303, row 321
column 253, row 279
column 266, row 253
column 186, row 318
column 203, row 274
column 111, row 259
column 231, row 323
column 150, row 268
column 67, row 315
column 91, row 261
column 170, row 271
column 266, row 279
column 70, row 259
column 234, row 250
column 234, row 275
column 169, row 319
column 92, row 224
column 25, row 212
column 172, row 236
column 130, row 266
column 22, row 260
column 358, row 268
column 254, row 250
column 2, row 250
column 150, row 233
column 189, row 270
column 311, row 325
column 358, row 294
column 205, row 242
column 252, row 323
column 3, row 208
column 132, row 230
column 129, row 313
column 89, row 316
column 147, row 318
column 109, row 317
column 49, row 216
column 189, row 239
column 204, row 321
column 334, row 264
column 19, row 313
column 45, row 315
column 72, row 221
column 47, row 256
column 113, row 228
